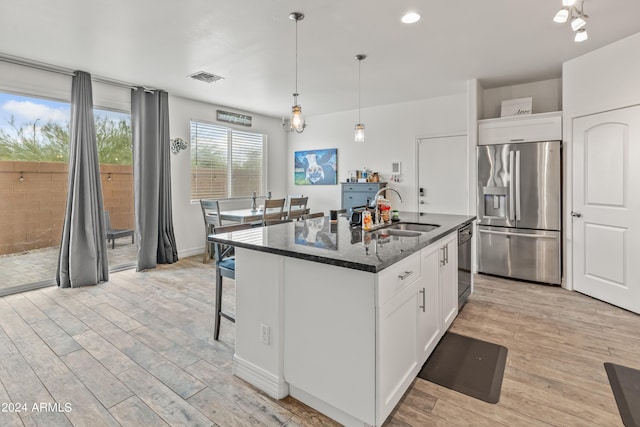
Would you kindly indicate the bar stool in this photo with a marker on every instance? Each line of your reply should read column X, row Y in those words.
column 225, row 267
column 211, row 215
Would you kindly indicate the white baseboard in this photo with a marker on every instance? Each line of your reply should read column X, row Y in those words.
column 328, row 410
column 264, row 380
column 183, row 253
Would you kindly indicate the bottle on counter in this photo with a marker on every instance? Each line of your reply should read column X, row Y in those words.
column 367, row 222
column 384, row 208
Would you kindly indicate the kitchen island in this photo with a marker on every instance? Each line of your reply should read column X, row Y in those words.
column 339, row 318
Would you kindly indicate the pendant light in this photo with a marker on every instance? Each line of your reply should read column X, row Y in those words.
column 359, row 134
column 296, row 121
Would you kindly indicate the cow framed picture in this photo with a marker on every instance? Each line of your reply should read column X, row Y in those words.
column 316, row 167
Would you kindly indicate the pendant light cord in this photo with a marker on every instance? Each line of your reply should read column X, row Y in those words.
column 359, row 89
column 296, row 94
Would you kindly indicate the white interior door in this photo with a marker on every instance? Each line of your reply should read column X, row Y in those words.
column 443, row 175
column 606, row 207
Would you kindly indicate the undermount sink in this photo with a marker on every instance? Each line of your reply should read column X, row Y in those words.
column 411, row 226
column 394, row 232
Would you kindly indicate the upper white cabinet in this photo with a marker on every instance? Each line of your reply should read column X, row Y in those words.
column 529, row 128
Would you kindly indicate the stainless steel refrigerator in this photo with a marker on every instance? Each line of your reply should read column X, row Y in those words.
column 519, row 211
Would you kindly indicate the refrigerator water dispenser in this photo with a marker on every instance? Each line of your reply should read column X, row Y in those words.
column 495, row 202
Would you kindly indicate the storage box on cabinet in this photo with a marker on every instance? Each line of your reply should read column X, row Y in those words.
column 534, row 127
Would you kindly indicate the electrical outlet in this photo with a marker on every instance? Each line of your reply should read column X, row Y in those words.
column 265, row 334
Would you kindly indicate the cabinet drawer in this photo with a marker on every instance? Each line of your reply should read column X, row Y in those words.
column 394, row 279
column 365, row 187
column 536, row 127
column 356, row 198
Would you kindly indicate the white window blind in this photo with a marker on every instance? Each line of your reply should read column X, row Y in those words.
column 225, row 162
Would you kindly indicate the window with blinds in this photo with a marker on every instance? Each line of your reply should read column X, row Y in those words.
column 226, row 163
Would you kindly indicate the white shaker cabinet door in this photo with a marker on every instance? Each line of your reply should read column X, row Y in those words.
column 449, row 279
column 397, row 362
column 428, row 303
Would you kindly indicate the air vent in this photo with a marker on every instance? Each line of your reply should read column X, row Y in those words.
column 203, row 76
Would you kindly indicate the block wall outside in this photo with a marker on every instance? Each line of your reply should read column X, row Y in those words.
column 32, row 208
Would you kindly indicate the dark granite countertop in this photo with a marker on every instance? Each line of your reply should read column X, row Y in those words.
column 339, row 244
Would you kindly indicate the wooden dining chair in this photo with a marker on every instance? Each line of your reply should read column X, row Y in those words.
column 273, row 210
column 276, row 221
column 313, row 215
column 297, row 207
column 225, row 267
column 211, row 215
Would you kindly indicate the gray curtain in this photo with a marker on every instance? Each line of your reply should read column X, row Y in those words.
column 155, row 240
column 82, row 259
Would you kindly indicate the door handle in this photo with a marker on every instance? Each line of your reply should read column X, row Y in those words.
column 517, row 185
column 422, row 291
column 506, row 233
column 576, row 214
column 512, row 190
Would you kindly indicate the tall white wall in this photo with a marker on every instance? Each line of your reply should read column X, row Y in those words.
column 604, row 79
column 187, row 217
column 391, row 133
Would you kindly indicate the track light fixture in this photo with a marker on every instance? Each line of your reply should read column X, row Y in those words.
column 571, row 13
column 296, row 120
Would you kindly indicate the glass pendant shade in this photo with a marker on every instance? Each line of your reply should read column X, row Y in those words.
column 297, row 119
column 359, row 136
column 581, row 35
column 562, row 16
column 578, row 23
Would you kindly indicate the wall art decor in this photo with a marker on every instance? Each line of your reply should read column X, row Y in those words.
column 316, row 167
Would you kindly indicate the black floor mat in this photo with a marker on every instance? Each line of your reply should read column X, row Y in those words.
column 625, row 384
column 467, row 365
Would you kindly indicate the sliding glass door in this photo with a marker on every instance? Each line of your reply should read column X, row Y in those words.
column 34, row 156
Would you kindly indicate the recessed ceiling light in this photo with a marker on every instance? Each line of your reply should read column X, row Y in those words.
column 410, row 18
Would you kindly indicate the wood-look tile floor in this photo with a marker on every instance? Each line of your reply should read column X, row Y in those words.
column 139, row 351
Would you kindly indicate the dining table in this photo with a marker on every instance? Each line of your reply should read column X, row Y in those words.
column 246, row 215
column 241, row 215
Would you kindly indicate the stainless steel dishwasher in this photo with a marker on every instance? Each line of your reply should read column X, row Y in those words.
column 464, row 263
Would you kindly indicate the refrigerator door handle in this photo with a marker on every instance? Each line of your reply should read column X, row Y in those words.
column 511, row 187
column 517, row 185
column 506, row 233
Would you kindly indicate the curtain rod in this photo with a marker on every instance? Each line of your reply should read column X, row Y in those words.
column 66, row 71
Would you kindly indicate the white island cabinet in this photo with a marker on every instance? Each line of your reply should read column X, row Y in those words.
column 344, row 341
column 437, row 293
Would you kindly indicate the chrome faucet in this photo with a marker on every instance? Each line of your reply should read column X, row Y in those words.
column 375, row 201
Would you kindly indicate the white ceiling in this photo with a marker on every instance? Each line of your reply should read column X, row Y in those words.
column 157, row 43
